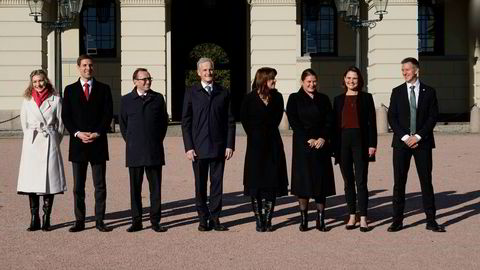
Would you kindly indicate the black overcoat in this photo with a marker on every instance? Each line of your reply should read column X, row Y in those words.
column 265, row 164
column 366, row 120
column 312, row 170
column 94, row 115
column 143, row 123
column 208, row 125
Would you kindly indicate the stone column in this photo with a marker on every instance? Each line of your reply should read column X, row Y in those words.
column 143, row 42
column 393, row 39
column 273, row 42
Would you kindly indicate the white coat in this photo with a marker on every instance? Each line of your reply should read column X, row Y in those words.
column 41, row 165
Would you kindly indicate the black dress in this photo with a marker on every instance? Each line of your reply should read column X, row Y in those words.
column 312, row 170
column 265, row 164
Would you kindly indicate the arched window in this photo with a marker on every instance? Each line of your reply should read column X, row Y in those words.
column 430, row 27
column 319, row 27
column 98, row 28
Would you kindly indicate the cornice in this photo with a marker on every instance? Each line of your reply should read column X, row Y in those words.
column 142, row 3
column 13, row 3
column 272, row 2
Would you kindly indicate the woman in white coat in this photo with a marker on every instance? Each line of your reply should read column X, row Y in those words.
column 41, row 166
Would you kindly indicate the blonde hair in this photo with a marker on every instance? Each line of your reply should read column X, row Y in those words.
column 49, row 87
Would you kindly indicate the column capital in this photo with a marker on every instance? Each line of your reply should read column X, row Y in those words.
column 143, row 3
column 272, row 2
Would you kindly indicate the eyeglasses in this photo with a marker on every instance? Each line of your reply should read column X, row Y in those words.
column 145, row 79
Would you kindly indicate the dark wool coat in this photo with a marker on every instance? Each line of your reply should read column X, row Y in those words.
column 94, row 115
column 265, row 163
column 143, row 123
column 312, row 170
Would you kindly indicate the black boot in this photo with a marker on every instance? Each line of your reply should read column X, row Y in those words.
column 268, row 207
column 303, row 220
column 321, row 221
column 34, row 207
column 257, row 210
column 47, row 210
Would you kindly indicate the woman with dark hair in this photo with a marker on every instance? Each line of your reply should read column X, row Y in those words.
column 265, row 173
column 311, row 118
column 41, row 166
column 355, row 143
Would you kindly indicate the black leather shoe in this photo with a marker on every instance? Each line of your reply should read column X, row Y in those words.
column 78, row 226
column 350, row 227
column 135, row 227
column 395, row 227
column 365, row 229
column 158, row 228
column 434, row 227
column 102, row 227
column 217, row 226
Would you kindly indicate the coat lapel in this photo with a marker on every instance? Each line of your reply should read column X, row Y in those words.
column 36, row 112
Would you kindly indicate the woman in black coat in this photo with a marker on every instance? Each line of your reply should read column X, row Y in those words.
column 311, row 117
column 355, row 143
column 265, row 172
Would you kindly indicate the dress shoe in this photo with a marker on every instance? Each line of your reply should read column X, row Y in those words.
column 395, row 227
column 158, row 228
column 365, row 229
column 77, row 227
column 203, row 225
column 136, row 226
column 350, row 227
column 102, row 227
column 217, row 226
column 434, row 227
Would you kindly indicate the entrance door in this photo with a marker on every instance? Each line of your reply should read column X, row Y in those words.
column 216, row 27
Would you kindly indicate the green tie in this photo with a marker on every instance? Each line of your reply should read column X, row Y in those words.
column 413, row 111
column 209, row 89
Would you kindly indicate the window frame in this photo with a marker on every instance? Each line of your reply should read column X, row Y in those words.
column 438, row 15
column 335, row 29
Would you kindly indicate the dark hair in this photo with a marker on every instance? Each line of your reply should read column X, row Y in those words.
column 260, row 83
column 360, row 78
column 83, row 57
column 48, row 85
column 135, row 73
column 308, row 72
column 411, row 60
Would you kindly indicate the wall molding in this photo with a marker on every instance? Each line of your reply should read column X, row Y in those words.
column 142, row 3
column 13, row 3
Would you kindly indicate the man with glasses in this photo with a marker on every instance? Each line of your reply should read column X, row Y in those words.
column 208, row 129
column 143, row 123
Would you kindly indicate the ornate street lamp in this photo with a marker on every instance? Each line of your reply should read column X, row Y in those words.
column 349, row 11
column 67, row 11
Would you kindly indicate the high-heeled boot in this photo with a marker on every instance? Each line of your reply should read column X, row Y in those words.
column 320, row 222
column 47, row 210
column 35, row 217
column 268, row 207
column 257, row 210
column 303, row 220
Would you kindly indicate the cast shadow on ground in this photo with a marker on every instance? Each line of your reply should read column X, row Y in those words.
column 379, row 210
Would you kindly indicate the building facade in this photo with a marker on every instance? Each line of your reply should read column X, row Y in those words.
column 168, row 36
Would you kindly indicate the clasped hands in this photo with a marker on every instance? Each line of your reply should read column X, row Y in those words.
column 191, row 155
column 412, row 141
column 317, row 144
column 87, row 137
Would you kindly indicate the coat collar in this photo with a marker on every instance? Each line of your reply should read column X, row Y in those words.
column 38, row 112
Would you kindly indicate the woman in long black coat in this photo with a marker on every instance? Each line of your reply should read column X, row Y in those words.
column 311, row 117
column 265, row 172
column 355, row 143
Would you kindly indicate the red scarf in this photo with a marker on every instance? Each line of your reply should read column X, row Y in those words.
column 40, row 97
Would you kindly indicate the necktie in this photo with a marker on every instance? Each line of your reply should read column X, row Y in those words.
column 209, row 89
column 85, row 90
column 413, row 110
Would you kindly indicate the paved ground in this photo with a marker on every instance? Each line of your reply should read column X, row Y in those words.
column 456, row 182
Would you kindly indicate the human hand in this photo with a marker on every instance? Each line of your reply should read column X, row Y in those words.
column 319, row 143
column 84, row 136
column 191, row 155
column 311, row 142
column 228, row 153
column 372, row 151
column 412, row 141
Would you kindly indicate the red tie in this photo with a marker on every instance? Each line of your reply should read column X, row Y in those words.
column 85, row 90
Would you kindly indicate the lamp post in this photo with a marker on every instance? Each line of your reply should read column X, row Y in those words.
column 67, row 11
column 349, row 11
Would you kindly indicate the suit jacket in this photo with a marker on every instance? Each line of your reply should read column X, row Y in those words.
column 208, row 125
column 399, row 115
column 143, row 123
column 366, row 120
column 94, row 115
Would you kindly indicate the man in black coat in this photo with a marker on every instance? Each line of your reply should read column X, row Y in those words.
column 208, row 128
column 87, row 115
column 412, row 115
column 143, row 123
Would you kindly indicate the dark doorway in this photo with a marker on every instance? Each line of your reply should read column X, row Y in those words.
column 222, row 23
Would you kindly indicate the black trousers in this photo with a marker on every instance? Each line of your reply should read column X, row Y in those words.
column 99, row 183
column 354, row 170
column 401, row 164
column 201, row 168
column 154, row 177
